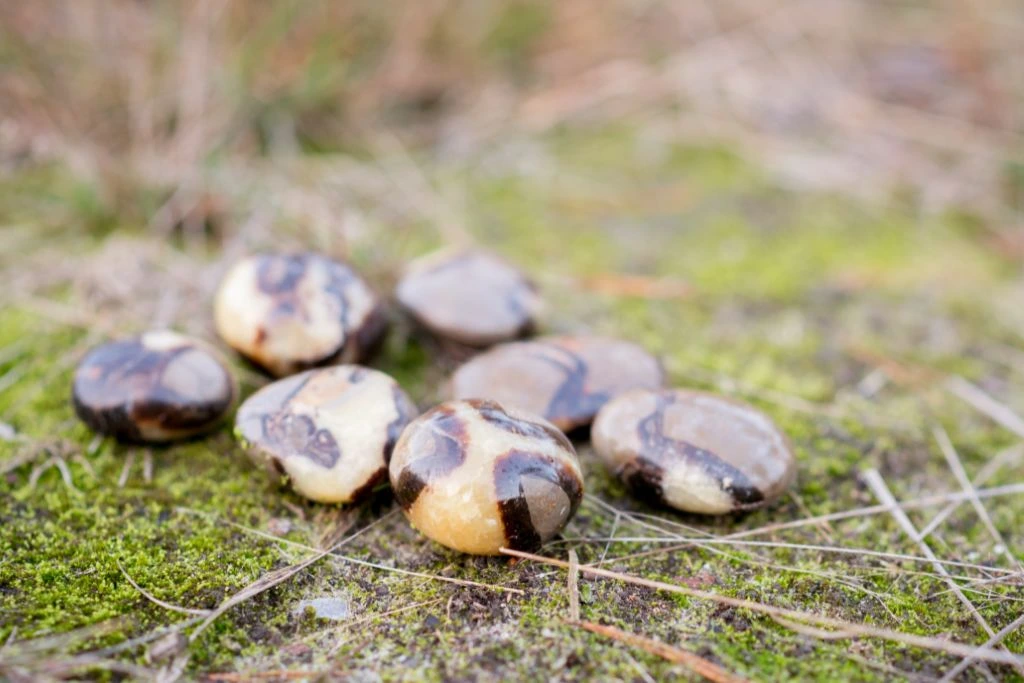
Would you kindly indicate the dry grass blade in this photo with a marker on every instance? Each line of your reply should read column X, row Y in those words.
column 43, row 658
column 64, row 641
column 953, row 459
column 574, row 587
column 902, row 373
column 61, row 668
column 710, row 542
column 264, row 583
column 272, row 579
column 126, row 470
column 372, row 565
column 10, row 639
column 174, row 669
column 645, row 676
column 17, row 461
column 984, row 403
column 340, row 524
column 432, row 577
column 853, row 630
column 878, row 486
column 155, row 634
column 61, row 466
column 819, row 633
column 157, row 601
column 924, row 502
column 991, row 642
column 408, row 608
column 1009, row 455
column 697, row 664
column 147, row 466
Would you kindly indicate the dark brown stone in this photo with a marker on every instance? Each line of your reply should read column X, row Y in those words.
column 157, row 387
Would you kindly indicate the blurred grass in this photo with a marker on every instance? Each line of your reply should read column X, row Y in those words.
column 143, row 146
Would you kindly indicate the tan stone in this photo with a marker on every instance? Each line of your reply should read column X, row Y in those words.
column 290, row 312
column 477, row 477
column 329, row 431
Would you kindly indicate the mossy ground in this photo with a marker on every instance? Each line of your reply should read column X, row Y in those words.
column 840, row 320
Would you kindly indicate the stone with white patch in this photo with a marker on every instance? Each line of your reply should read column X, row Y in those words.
column 564, row 379
column 291, row 312
column 157, row 387
column 693, row 451
column 469, row 296
column 476, row 477
column 329, row 431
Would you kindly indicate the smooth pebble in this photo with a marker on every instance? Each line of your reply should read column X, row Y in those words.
column 291, row 312
column 476, row 477
column 470, row 296
column 329, row 431
column 563, row 379
column 694, row 451
column 156, row 387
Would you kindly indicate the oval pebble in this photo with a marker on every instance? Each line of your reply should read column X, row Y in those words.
column 470, row 296
column 565, row 380
column 157, row 387
column 475, row 476
column 290, row 312
column 330, row 431
column 694, row 451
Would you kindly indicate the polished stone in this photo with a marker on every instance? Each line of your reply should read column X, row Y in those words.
column 564, row 379
column 476, row 477
column 157, row 387
column 328, row 431
column 694, row 451
column 290, row 312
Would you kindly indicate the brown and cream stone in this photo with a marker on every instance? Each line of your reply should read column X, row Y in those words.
column 565, row 379
column 469, row 296
column 476, row 477
column 157, row 387
column 290, row 312
column 329, row 431
column 694, row 451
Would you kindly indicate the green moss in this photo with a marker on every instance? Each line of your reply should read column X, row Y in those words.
column 792, row 294
column 516, row 30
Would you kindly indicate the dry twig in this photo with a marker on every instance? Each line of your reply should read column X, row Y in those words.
column 574, row 588
column 878, row 486
column 698, row 665
column 853, row 630
column 157, row 601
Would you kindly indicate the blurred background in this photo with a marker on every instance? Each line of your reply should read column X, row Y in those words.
column 144, row 101
column 646, row 149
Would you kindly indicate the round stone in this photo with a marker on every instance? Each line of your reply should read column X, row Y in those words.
column 157, row 387
column 693, row 451
column 470, row 296
column 476, row 477
column 329, row 431
column 565, row 380
column 290, row 312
